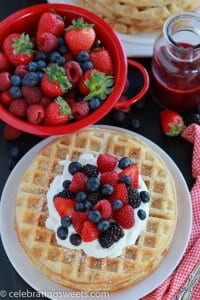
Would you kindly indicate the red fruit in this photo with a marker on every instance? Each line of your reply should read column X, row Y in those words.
column 32, row 94
column 35, row 113
column 4, row 63
column 124, row 216
column 78, row 219
column 11, row 133
column 78, row 182
column 133, row 172
column 5, row 98
column 18, row 107
column 89, row 232
column 5, row 82
column 45, row 101
column 120, row 193
column 125, row 109
column 72, row 96
column 18, row 49
column 171, row 122
column 57, row 112
column 110, row 177
column 73, row 72
column 84, row 89
column 80, row 36
column 68, row 56
column 64, row 206
column 80, row 109
column 21, row 70
column 47, row 42
column 102, row 60
column 50, row 22
column 54, row 81
column 106, row 162
column 104, row 207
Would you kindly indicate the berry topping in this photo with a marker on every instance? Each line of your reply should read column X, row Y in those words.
column 74, row 167
column 62, row 233
column 145, row 197
column 107, row 190
column 104, row 207
column 116, row 204
column 141, row 214
column 110, row 236
column 133, row 172
column 126, row 180
column 94, row 216
column 120, row 193
column 109, row 178
column 89, row 232
column 134, row 197
column 75, row 239
column 78, row 219
column 90, row 170
column 124, row 216
column 106, row 162
column 81, row 196
column 63, row 206
column 124, row 162
column 94, row 197
column 79, row 206
column 103, row 225
column 66, row 221
column 93, row 184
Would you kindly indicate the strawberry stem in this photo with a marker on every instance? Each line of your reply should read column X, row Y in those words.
column 22, row 45
column 58, row 74
column 64, row 107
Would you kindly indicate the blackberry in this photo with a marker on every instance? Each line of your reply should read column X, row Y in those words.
column 66, row 193
column 134, row 197
column 90, row 170
column 112, row 235
column 94, row 197
column 105, row 240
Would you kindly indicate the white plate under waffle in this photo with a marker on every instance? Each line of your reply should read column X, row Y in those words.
column 55, row 291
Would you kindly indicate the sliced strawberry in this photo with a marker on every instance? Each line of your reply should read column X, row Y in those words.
column 133, row 172
column 64, row 206
column 120, row 193
column 110, row 177
column 78, row 182
column 89, row 232
column 124, row 216
column 78, row 219
column 106, row 162
column 104, row 207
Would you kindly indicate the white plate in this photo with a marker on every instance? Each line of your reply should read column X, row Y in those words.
column 41, row 283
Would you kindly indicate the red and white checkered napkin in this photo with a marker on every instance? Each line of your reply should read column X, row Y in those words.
column 170, row 288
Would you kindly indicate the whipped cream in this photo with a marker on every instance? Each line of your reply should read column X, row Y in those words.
column 92, row 248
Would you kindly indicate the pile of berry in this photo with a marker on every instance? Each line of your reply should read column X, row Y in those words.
column 61, row 72
column 99, row 201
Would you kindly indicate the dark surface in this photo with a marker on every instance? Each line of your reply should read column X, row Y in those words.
column 177, row 148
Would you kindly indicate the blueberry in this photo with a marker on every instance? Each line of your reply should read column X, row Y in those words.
column 94, row 216
column 141, row 214
column 30, row 79
column 93, row 184
column 135, row 124
column 61, row 40
column 196, row 118
column 62, row 233
column 41, row 64
column 40, row 56
column 94, row 103
column 66, row 183
column 39, row 74
column 15, row 80
column 61, row 61
column 126, row 180
column 79, row 206
column 54, row 56
column 75, row 239
column 107, row 189
column 66, row 221
column 14, row 152
column 74, row 167
column 124, row 162
column 83, row 56
column 116, row 204
column 88, row 205
column 15, row 92
column 81, row 196
column 62, row 49
column 145, row 197
column 32, row 66
column 119, row 117
column 103, row 225
column 87, row 65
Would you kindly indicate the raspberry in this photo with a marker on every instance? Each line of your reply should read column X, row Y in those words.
column 18, row 107
column 104, row 207
column 73, row 72
column 35, row 113
column 113, row 234
column 134, row 197
column 47, row 42
column 89, row 232
column 71, row 97
column 5, row 82
column 80, row 109
column 4, row 63
column 78, row 182
column 124, row 216
column 6, row 98
column 45, row 101
column 90, row 170
column 68, row 56
column 106, row 162
column 120, row 193
column 11, row 133
column 32, row 94
column 109, row 177
column 21, row 70
column 78, row 219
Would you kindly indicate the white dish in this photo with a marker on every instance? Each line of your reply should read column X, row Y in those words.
column 41, row 283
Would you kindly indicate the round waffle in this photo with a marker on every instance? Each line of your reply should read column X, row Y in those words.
column 73, row 268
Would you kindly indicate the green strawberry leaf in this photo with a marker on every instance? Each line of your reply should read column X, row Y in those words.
column 64, row 107
column 57, row 74
column 22, row 45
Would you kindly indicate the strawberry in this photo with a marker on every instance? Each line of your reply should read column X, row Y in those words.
column 64, row 206
column 50, row 22
column 47, row 42
column 54, row 81
column 110, row 177
column 18, row 107
column 124, row 216
column 35, row 113
column 57, row 112
column 18, row 49
column 11, row 133
column 5, row 98
column 80, row 109
column 78, row 182
column 89, row 232
column 79, row 36
column 106, row 162
column 171, row 122
column 102, row 60
column 4, row 63
column 120, row 193
column 104, row 207
column 78, row 219
column 32, row 94
column 5, row 82
column 94, row 83
column 133, row 172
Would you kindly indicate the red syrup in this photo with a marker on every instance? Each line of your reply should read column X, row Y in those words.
column 176, row 77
